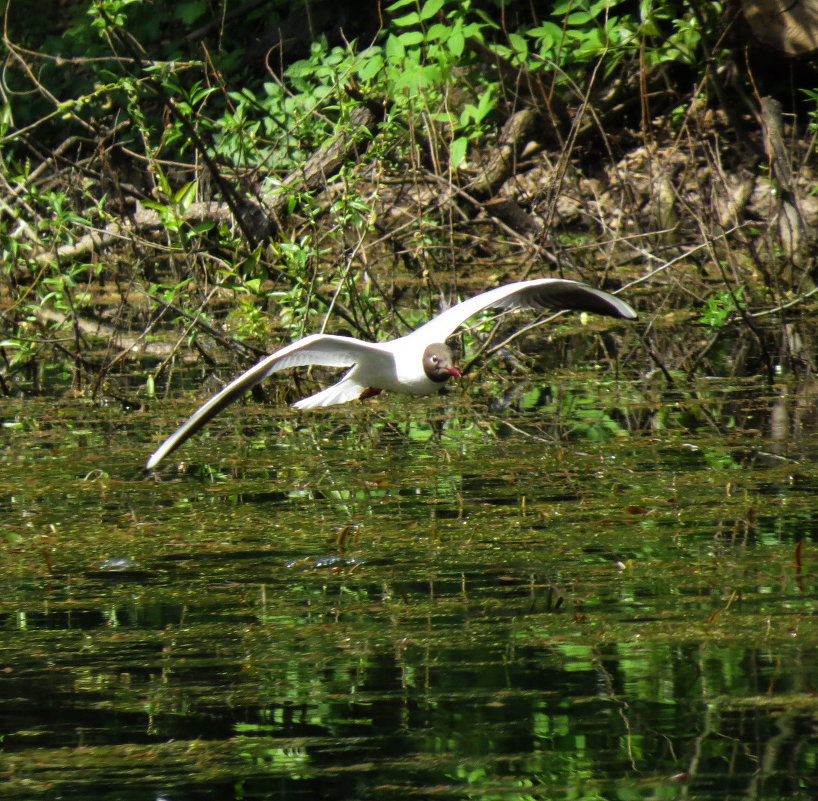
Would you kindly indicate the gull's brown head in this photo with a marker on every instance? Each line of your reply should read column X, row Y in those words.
column 438, row 363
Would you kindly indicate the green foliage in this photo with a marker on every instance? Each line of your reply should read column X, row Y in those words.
column 586, row 31
column 720, row 308
column 423, row 51
column 421, row 54
column 295, row 303
column 425, row 55
column 122, row 76
column 812, row 97
column 577, row 413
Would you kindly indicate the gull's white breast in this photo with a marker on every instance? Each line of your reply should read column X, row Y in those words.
column 410, row 376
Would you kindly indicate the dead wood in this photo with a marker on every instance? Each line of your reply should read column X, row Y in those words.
column 141, row 223
column 328, row 159
column 530, row 87
column 787, row 25
column 518, row 131
column 107, row 333
column 265, row 217
column 501, row 164
column 791, row 228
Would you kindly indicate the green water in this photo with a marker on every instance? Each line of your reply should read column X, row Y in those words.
column 598, row 591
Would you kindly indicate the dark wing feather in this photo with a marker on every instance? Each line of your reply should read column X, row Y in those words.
column 539, row 293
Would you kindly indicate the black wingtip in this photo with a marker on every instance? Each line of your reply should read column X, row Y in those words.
column 581, row 297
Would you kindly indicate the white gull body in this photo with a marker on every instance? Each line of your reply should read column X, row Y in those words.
column 416, row 364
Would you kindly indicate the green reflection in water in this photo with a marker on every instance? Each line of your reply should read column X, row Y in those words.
column 393, row 604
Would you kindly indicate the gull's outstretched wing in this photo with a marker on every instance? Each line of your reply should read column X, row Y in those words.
column 322, row 349
column 539, row 293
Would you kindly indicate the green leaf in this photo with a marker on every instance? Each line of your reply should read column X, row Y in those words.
column 411, row 38
column 438, row 31
column 202, row 227
column 456, row 42
column 370, row 68
column 416, row 78
column 300, row 69
column 548, row 33
column 430, row 8
column 395, row 51
column 457, row 152
column 445, row 117
column 191, row 11
column 485, row 104
column 518, row 43
column 151, row 204
column 186, row 195
column 407, row 19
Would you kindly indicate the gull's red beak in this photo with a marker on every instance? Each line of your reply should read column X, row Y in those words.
column 454, row 371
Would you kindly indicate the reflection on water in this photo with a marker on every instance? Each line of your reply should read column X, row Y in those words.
column 604, row 593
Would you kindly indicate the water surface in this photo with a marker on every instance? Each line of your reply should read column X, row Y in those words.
column 592, row 591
